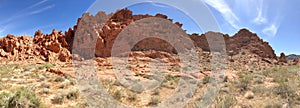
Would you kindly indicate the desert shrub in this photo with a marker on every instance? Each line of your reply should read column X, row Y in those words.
column 73, row 94
column 175, row 68
column 156, row 92
column 200, row 84
column 24, row 98
column 129, row 67
column 261, row 90
column 117, row 94
column 279, row 75
column 5, row 70
column 171, row 78
column 284, row 90
column 272, row 105
column 244, row 82
column 58, row 99
column 65, row 84
column 59, row 79
column 45, row 85
column 167, row 85
column 259, row 80
column 132, row 96
column 154, row 100
column 47, row 65
column 4, row 97
column 225, row 79
column 206, row 79
column 225, row 101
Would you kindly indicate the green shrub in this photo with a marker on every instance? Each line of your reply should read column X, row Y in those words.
column 117, row 94
column 48, row 65
column 244, row 82
column 225, row 101
column 4, row 97
column 24, row 98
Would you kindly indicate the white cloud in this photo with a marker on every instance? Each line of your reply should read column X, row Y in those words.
column 41, row 10
column 38, row 3
column 270, row 30
column 224, row 9
column 260, row 18
column 26, row 12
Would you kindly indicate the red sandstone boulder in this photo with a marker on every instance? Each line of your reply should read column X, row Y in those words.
column 282, row 58
column 54, row 47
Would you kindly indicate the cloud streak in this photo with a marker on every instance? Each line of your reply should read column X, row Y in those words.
column 224, row 9
column 260, row 18
column 41, row 10
column 37, row 4
column 270, row 30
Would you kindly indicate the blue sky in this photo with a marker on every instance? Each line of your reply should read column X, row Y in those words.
column 275, row 21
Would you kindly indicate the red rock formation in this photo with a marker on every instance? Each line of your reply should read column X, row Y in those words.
column 244, row 39
column 282, row 58
column 98, row 39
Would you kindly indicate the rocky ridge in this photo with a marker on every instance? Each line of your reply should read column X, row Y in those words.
column 58, row 45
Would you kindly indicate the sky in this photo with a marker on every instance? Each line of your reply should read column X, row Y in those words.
column 275, row 21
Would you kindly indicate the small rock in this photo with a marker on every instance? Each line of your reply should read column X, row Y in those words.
column 27, row 73
column 4, row 79
column 45, row 91
column 249, row 95
column 41, row 77
column 65, row 84
column 45, row 85
column 286, row 105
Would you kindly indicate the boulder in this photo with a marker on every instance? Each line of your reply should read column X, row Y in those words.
column 282, row 58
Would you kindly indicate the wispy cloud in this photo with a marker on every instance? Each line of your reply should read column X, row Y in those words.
column 37, row 4
column 33, row 9
column 225, row 10
column 27, row 12
column 270, row 30
column 260, row 18
column 41, row 10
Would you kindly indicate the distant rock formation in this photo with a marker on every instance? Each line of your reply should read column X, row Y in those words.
column 292, row 57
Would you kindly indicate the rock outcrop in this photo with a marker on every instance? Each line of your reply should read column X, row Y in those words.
column 244, row 39
column 98, row 39
column 282, row 58
column 46, row 47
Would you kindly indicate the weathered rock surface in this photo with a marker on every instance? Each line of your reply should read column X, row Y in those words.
column 96, row 39
column 46, row 47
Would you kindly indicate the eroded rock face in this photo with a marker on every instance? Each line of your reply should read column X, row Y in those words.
column 90, row 38
column 105, row 35
column 43, row 46
column 243, row 40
